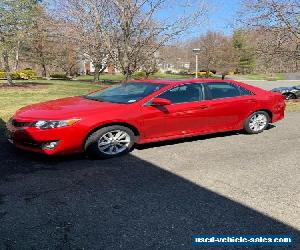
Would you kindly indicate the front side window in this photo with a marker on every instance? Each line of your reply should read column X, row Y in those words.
column 125, row 93
column 184, row 93
column 222, row 90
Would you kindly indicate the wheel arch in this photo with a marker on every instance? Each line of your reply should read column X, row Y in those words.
column 124, row 124
column 268, row 111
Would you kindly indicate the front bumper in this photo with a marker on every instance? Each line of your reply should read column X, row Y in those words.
column 33, row 139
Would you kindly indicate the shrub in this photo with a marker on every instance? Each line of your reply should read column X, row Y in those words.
column 29, row 73
column 2, row 74
column 24, row 74
column 203, row 73
column 15, row 75
column 139, row 75
column 59, row 75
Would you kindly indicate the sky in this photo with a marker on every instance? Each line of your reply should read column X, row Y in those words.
column 223, row 15
column 220, row 16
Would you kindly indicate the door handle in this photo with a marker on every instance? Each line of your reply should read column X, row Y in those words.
column 203, row 106
column 252, row 101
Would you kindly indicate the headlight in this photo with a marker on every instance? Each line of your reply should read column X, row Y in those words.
column 54, row 124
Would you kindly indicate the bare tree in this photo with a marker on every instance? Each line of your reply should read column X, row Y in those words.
column 39, row 46
column 175, row 56
column 15, row 19
column 88, row 19
column 133, row 30
column 276, row 24
column 227, row 57
column 216, row 53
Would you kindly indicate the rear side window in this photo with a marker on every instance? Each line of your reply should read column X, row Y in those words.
column 222, row 90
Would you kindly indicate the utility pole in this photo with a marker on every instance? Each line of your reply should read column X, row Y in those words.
column 196, row 51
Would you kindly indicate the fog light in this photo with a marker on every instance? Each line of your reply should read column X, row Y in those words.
column 50, row 145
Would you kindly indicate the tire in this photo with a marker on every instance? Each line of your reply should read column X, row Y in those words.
column 289, row 96
column 106, row 142
column 257, row 122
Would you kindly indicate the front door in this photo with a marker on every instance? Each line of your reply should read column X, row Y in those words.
column 183, row 116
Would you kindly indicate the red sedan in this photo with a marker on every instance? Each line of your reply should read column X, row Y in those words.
column 109, row 122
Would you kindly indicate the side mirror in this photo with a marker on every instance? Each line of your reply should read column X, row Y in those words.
column 160, row 102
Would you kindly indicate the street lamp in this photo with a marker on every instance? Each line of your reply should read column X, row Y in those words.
column 197, row 52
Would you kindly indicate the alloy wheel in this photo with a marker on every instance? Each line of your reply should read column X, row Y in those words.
column 289, row 96
column 258, row 122
column 113, row 142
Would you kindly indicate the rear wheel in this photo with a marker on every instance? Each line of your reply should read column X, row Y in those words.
column 257, row 122
column 289, row 96
column 111, row 141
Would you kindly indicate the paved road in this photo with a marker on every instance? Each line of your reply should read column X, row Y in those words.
column 292, row 76
column 268, row 85
column 156, row 197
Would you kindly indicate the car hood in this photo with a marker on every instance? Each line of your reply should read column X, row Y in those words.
column 66, row 108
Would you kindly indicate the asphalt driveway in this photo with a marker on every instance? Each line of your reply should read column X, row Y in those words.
column 156, row 197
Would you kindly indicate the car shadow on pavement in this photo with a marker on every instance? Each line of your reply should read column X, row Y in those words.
column 194, row 138
column 122, row 203
column 186, row 139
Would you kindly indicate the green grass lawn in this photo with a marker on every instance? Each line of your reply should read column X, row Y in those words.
column 36, row 91
column 274, row 77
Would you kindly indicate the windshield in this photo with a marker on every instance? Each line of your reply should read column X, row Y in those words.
column 125, row 93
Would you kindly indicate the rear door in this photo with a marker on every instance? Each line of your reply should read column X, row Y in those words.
column 229, row 105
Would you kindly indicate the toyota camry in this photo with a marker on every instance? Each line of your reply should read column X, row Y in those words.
column 107, row 123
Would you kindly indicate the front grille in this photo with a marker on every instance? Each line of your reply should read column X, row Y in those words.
column 17, row 124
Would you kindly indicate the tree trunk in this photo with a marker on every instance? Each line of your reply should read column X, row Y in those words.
column 17, row 56
column 44, row 72
column 7, row 68
column 97, row 72
column 127, row 75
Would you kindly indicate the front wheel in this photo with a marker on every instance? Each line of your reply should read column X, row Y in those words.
column 109, row 142
column 257, row 122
